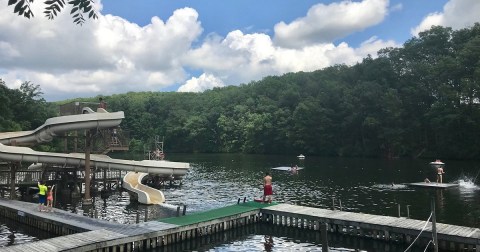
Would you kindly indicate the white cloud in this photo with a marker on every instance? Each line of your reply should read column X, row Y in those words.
column 104, row 56
column 326, row 23
column 241, row 58
column 456, row 14
column 396, row 7
column 202, row 83
column 112, row 55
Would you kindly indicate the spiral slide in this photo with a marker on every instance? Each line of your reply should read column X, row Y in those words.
column 89, row 120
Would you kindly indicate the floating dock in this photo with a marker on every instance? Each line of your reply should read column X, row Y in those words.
column 87, row 234
column 433, row 185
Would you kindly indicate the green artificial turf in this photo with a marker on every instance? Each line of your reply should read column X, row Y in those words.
column 216, row 213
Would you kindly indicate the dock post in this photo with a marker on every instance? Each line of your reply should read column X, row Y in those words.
column 434, row 226
column 138, row 217
column 146, row 215
column 184, row 209
column 399, row 210
column 340, row 204
column 333, row 203
column 408, row 211
column 323, row 232
column 178, row 211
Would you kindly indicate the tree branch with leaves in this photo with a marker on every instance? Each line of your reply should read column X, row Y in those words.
column 79, row 9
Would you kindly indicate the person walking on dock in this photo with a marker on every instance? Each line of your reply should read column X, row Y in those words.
column 267, row 188
column 41, row 195
column 50, row 198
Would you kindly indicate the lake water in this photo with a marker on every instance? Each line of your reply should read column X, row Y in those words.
column 359, row 185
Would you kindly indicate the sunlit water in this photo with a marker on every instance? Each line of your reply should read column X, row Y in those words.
column 358, row 185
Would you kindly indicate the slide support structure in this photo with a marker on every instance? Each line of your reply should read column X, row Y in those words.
column 87, row 200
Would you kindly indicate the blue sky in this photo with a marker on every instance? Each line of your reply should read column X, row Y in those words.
column 222, row 16
column 195, row 45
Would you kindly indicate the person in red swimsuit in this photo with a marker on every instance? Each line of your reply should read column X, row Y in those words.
column 267, row 188
column 50, row 198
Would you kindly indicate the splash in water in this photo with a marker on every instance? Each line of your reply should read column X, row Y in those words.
column 467, row 183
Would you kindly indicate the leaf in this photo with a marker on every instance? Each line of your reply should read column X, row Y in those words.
column 92, row 13
column 22, row 10
column 18, row 6
column 50, row 2
column 87, row 9
column 56, row 7
column 10, row 2
column 74, row 9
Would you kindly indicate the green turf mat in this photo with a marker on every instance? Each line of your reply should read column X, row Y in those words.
column 216, row 213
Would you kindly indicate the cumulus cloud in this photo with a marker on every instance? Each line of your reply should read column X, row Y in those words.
column 326, row 23
column 112, row 55
column 202, row 83
column 456, row 14
column 244, row 57
column 104, row 56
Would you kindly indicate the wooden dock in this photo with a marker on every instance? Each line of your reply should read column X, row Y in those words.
column 395, row 229
column 82, row 233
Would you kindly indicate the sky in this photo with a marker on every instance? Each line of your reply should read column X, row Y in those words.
column 196, row 45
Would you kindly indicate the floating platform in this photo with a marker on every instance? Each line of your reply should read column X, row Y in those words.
column 285, row 168
column 433, row 185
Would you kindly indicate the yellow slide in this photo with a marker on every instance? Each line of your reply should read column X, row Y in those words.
column 146, row 195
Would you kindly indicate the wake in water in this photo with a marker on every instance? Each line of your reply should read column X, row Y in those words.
column 389, row 186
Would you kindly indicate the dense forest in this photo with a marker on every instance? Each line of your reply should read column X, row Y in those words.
column 419, row 100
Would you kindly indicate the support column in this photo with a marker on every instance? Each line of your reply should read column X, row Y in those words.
column 87, row 200
column 13, row 174
column 434, row 226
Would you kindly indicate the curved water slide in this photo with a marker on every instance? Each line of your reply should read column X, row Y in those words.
column 89, row 120
column 146, row 195
column 58, row 125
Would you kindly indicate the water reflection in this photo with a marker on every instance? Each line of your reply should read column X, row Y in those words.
column 264, row 237
column 12, row 233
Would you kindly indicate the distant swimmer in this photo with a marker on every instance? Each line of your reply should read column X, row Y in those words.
column 294, row 169
column 426, row 180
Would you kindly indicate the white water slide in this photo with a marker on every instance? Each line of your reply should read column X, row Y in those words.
column 89, row 120
column 146, row 195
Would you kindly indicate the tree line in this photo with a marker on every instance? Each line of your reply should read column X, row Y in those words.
column 419, row 100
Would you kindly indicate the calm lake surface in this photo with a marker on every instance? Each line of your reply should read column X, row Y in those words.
column 361, row 185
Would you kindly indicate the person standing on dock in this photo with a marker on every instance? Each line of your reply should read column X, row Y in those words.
column 267, row 188
column 440, row 173
column 50, row 198
column 42, row 191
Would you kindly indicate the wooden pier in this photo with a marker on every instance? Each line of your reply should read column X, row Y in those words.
column 86, row 234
